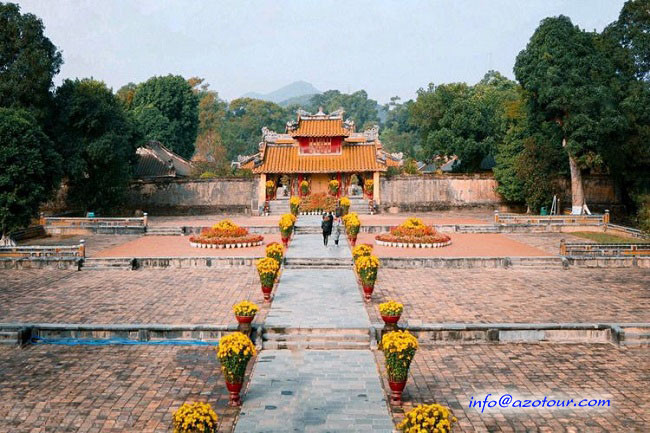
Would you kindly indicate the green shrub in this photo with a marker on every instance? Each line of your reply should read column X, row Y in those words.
column 208, row 175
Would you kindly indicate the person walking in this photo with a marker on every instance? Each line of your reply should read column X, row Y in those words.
column 326, row 225
column 338, row 229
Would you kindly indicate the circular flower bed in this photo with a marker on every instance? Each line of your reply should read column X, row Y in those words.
column 413, row 233
column 225, row 234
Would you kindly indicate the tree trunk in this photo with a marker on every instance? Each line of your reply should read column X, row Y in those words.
column 577, row 189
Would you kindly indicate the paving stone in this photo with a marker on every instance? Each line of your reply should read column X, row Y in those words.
column 317, row 298
column 123, row 389
column 515, row 295
column 147, row 296
column 319, row 400
column 450, row 375
column 304, row 246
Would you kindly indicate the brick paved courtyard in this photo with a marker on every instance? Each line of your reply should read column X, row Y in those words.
column 106, row 389
column 450, row 375
column 146, row 296
column 516, row 295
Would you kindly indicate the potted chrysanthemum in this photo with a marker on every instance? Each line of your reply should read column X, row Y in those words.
column 245, row 311
column 275, row 251
column 270, row 185
column 361, row 250
column 352, row 227
column 267, row 268
column 294, row 204
column 286, row 223
column 367, row 267
column 391, row 311
column 345, row 205
column 195, row 418
column 333, row 187
column 429, row 417
column 234, row 352
column 399, row 348
column 304, row 187
column 368, row 187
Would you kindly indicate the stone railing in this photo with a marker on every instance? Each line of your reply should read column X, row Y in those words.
column 603, row 250
column 93, row 222
column 513, row 218
column 44, row 251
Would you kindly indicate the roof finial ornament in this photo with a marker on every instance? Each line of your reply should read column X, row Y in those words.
column 320, row 112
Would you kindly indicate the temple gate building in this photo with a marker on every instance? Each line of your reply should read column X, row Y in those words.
column 318, row 148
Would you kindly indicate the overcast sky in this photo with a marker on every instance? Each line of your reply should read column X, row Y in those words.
column 386, row 47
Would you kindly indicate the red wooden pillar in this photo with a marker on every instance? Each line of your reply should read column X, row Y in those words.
column 299, row 185
column 338, row 178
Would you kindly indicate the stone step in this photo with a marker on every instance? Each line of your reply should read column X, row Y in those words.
column 164, row 231
column 301, row 338
column 315, row 345
column 636, row 336
column 122, row 263
column 317, row 263
column 273, row 332
column 9, row 337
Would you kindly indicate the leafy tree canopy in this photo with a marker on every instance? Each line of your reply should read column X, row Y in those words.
column 30, row 168
column 357, row 106
column 28, row 62
column 97, row 140
column 166, row 109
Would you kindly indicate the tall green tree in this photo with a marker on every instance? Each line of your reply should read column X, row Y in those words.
column 28, row 62
column 210, row 154
column 244, row 120
column 166, row 109
column 357, row 106
column 97, row 140
column 571, row 85
column 398, row 134
column 30, row 168
column 462, row 120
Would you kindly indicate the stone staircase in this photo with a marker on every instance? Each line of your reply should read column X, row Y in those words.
column 121, row 263
column 279, row 206
column 635, row 336
column 9, row 337
column 164, row 231
column 317, row 263
column 315, row 338
column 359, row 205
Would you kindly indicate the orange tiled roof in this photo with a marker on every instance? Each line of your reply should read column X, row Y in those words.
column 320, row 128
column 285, row 159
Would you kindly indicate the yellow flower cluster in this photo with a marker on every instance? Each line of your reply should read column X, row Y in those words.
column 270, row 184
column 235, row 344
column 412, row 223
column 245, row 308
column 267, row 265
column 429, row 418
column 294, row 201
column 361, row 250
column 351, row 219
column 334, row 184
column 345, row 201
column 391, row 308
column 398, row 342
column 195, row 417
column 304, row 184
column 368, row 183
column 364, row 263
column 287, row 221
column 274, row 249
column 225, row 225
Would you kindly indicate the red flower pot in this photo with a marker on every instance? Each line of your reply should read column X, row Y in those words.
column 267, row 293
column 367, row 291
column 285, row 241
column 244, row 319
column 390, row 320
column 234, row 389
column 396, row 389
column 353, row 241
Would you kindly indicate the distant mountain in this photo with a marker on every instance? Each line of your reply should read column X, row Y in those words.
column 287, row 94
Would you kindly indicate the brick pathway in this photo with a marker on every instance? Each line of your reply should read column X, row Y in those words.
column 94, row 243
column 516, row 295
column 462, row 245
column 450, row 375
column 147, row 296
column 113, row 389
column 315, row 391
column 179, row 246
column 311, row 246
column 549, row 242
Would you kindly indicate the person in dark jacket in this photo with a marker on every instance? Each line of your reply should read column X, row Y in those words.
column 326, row 225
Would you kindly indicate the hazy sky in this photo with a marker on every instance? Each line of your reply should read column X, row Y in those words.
column 386, row 47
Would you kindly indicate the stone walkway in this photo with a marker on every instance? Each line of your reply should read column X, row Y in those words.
column 317, row 298
column 315, row 390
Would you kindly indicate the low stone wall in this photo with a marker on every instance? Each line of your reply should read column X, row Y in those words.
column 435, row 192
column 193, row 196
